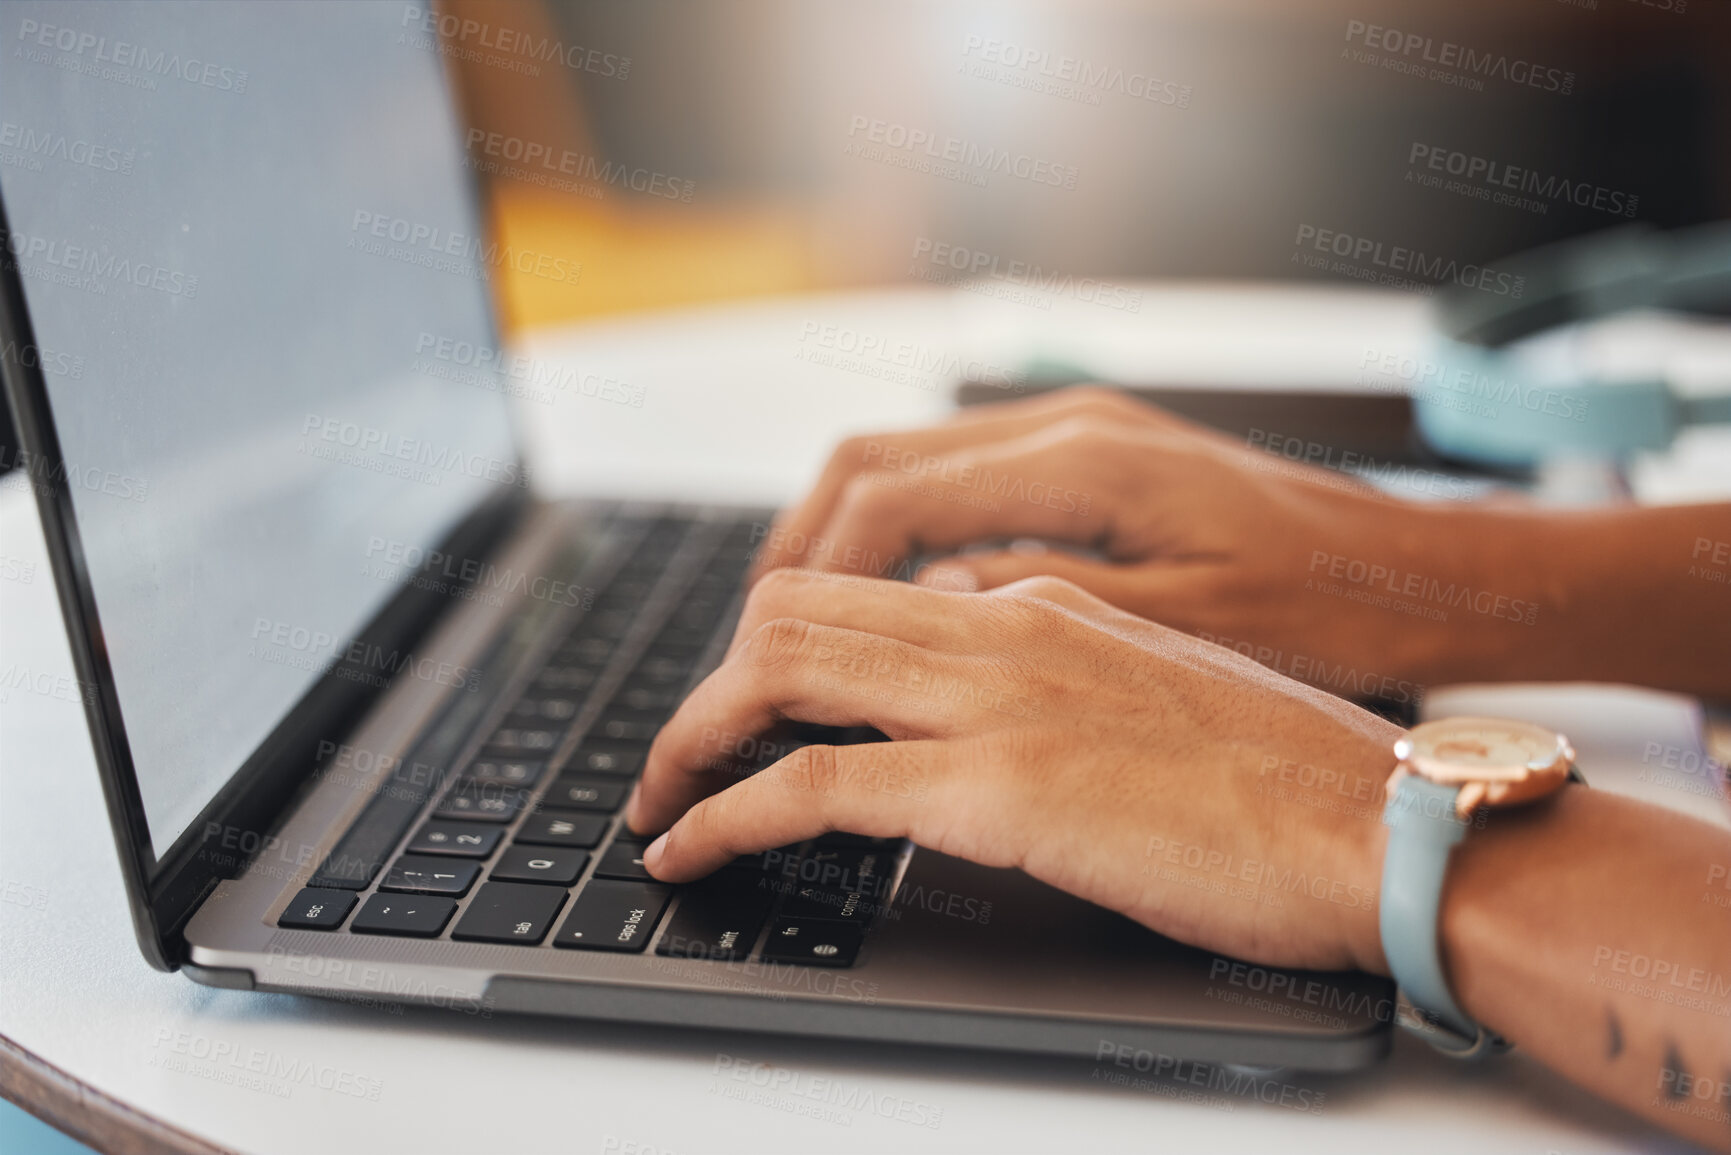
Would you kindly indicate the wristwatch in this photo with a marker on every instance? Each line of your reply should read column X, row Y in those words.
column 1446, row 770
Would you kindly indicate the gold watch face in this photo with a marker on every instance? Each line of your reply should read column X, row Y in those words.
column 1496, row 760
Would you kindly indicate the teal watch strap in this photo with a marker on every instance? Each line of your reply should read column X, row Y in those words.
column 1423, row 829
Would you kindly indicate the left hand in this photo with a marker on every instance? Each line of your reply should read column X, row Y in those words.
column 1037, row 727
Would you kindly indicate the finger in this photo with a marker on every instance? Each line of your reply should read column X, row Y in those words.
column 879, row 789
column 1159, row 591
column 1061, row 483
column 791, row 669
column 790, row 540
column 986, row 571
column 922, row 615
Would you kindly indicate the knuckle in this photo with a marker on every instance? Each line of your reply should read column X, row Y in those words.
column 1042, row 591
column 1100, row 399
column 812, row 769
column 868, row 491
column 774, row 588
column 778, row 642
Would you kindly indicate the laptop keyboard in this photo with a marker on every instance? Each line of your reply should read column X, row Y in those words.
column 524, row 844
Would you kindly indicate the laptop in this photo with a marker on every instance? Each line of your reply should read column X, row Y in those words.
column 365, row 706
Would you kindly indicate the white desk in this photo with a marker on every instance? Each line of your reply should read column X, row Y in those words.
column 731, row 411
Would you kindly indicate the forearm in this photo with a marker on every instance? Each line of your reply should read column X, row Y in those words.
column 1594, row 932
column 1630, row 594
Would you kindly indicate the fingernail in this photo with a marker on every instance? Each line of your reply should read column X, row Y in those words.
column 652, row 854
column 631, row 805
column 948, row 576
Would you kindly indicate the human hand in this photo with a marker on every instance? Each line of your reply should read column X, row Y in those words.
column 1035, row 727
column 1310, row 570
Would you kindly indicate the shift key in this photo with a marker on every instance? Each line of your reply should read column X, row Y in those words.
column 616, row 916
column 718, row 918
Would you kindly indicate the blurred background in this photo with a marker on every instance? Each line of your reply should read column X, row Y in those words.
column 686, row 152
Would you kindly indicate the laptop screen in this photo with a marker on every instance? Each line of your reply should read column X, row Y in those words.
column 260, row 294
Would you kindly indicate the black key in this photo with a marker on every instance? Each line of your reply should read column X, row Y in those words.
column 586, row 794
column 586, row 651
column 509, row 741
column 363, row 851
column 544, row 864
column 859, row 905
column 661, row 671
column 840, row 868
column 678, row 639
column 594, row 757
column 458, row 839
column 621, row 725
column 771, row 862
column 480, row 802
column 514, row 773
column 616, row 916
column 315, row 909
column 717, row 918
column 529, row 711
column 609, row 620
column 418, row 875
column 509, row 912
column 562, row 828
column 624, row 859
column 696, row 612
column 657, row 698
column 813, row 942
column 565, row 677
column 411, row 915
column 837, row 839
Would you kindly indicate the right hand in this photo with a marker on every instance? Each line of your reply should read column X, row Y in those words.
column 1194, row 530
